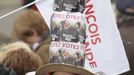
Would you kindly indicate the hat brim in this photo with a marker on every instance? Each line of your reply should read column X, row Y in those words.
column 48, row 68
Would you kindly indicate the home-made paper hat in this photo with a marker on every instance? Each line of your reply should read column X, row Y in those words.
column 66, row 58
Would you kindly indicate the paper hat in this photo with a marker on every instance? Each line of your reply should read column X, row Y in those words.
column 65, row 59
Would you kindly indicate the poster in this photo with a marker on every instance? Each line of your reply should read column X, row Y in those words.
column 104, row 50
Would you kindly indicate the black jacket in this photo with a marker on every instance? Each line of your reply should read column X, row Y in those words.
column 6, row 71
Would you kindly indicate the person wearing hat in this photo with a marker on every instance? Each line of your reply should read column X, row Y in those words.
column 61, row 69
column 64, row 68
column 30, row 27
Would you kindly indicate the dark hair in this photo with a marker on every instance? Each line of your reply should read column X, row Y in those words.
column 25, row 2
column 6, row 71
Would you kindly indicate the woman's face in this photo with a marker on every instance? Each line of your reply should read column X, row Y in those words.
column 31, row 36
column 62, row 73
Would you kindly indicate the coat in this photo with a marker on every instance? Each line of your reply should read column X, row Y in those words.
column 6, row 71
column 43, row 50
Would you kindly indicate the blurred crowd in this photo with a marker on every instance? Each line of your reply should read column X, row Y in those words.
column 124, row 13
column 124, row 10
column 28, row 47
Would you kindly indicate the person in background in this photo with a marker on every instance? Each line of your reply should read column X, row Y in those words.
column 66, row 65
column 13, row 46
column 125, row 12
column 125, row 6
column 21, row 59
column 30, row 27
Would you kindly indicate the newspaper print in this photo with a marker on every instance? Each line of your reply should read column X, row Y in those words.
column 69, row 5
column 68, row 38
column 69, row 27
column 67, row 52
